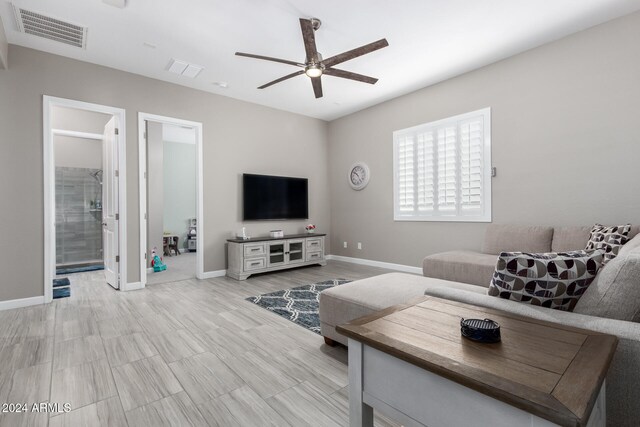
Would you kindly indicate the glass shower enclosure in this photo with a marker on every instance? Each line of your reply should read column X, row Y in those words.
column 78, row 217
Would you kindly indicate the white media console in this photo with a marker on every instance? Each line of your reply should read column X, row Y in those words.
column 263, row 254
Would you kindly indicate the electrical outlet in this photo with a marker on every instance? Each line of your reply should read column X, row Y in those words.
column 344, row 244
column 359, row 245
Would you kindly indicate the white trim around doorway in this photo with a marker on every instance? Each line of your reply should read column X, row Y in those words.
column 142, row 179
column 75, row 134
column 48, row 103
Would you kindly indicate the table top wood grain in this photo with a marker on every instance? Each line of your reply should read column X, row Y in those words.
column 550, row 370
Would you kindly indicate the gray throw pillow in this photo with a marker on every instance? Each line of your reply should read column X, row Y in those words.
column 608, row 239
column 553, row 280
column 615, row 293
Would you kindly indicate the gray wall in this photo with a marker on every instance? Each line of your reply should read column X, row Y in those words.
column 79, row 120
column 75, row 152
column 565, row 123
column 155, row 192
column 238, row 137
column 179, row 188
column 78, row 152
column 4, row 47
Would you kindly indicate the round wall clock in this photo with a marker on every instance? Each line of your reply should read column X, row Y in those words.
column 359, row 175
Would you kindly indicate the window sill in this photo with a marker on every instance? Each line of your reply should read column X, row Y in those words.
column 442, row 219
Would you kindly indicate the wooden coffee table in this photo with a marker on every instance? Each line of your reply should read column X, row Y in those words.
column 411, row 363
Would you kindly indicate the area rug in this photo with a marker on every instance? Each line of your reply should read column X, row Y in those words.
column 300, row 304
column 83, row 269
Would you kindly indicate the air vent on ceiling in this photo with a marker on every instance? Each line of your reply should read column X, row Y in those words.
column 183, row 68
column 50, row 28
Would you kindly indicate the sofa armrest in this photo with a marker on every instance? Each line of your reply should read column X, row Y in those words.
column 622, row 392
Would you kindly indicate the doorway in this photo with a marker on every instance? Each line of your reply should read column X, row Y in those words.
column 84, row 193
column 171, row 197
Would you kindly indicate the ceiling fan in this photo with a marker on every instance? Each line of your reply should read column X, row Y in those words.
column 315, row 66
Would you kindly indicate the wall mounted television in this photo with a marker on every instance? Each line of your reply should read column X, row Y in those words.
column 267, row 197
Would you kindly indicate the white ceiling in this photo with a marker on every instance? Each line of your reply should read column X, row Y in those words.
column 430, row 41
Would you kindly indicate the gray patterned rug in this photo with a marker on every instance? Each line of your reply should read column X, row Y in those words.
column 300, row 305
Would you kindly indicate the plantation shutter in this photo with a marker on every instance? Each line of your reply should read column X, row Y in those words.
column 448, row 184
column 471, row 149
column 405, row 174
column 442, row 170
column 425, row 172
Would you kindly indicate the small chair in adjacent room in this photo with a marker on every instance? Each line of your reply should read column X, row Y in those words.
column 171, row 243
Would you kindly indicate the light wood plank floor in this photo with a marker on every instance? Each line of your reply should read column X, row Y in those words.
column 181, row 353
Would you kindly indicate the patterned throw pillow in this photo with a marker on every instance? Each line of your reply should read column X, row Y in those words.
column 608, row 239
column 553, row 280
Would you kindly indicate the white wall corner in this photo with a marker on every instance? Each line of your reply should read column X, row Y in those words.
column 4, row 48
column 134, row 286
column 22, row 302
column 212, row 274
column 372, row 263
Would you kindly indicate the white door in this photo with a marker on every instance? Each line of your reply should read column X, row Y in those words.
column 110, row 212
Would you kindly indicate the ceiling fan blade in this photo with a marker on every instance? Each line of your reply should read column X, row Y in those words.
column 281, row 79
column 354, row 53
column 349, row 75
column 309, row 37
column 268, row 58
column 317, row 86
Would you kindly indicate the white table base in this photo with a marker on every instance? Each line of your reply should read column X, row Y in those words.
column 416, row 397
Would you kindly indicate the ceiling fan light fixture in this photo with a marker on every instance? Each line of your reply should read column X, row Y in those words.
column 313, row 70
column 315, row 66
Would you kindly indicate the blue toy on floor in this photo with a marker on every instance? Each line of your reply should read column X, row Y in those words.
column 156, row 262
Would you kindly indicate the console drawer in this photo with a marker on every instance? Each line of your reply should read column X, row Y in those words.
column 254, row 249
column 255, row 264
column 314, row 244
column 314, row 256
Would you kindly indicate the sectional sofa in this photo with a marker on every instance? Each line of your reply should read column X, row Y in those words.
column 610, row 305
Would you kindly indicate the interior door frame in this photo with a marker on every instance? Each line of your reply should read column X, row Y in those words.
column 142, row 167
column 48, row 103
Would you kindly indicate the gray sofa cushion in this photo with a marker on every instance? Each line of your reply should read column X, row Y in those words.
column 517, row 238
column 461, row 266
column 615, row 293
column 622, row 390
column 576, row 238
column 570, row 238
column 344, row 303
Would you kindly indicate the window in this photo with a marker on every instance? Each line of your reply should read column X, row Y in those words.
column 442, row 170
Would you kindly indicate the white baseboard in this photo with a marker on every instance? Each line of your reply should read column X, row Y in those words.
column 22, row 302
column 372, row 263
column 132, row 286
column 212, row 274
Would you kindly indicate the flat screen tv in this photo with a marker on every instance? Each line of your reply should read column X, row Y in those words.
column 268, row 197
